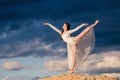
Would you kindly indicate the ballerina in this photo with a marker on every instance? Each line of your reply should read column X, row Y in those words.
column 78, row 47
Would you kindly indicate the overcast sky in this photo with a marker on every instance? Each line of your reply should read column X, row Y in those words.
column 23, row 38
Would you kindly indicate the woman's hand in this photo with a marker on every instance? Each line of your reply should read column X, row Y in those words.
column 85, row 24
column 46, row 24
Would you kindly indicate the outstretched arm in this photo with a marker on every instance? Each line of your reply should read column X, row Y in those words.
column 77, row 28
column 53, row 27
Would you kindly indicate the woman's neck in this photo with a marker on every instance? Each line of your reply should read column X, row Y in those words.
column 65, row 30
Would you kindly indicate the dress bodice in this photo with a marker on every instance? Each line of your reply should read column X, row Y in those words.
column 67, row 38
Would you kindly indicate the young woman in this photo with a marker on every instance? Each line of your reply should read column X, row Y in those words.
column 79, row 46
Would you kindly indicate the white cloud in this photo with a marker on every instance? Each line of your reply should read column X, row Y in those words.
column 56, row 65
column 19, row 79
column 3, row 35
column 102, row 62
column 6, row 78
column 35, row 47
column 109, row 62
column 12, row 66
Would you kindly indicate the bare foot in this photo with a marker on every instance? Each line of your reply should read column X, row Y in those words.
column 71, row 71
column 96, row 22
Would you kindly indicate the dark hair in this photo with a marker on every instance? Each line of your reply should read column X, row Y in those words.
column 68, row 28
column 68, row 25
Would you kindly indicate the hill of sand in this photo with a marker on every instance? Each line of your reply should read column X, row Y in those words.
column 79, row 77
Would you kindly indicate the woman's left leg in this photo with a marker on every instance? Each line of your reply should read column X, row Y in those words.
column 73, row 49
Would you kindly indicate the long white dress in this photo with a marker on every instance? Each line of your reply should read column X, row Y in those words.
column 84, row 46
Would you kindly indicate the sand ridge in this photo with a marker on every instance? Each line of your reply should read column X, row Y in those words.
column 79, row 77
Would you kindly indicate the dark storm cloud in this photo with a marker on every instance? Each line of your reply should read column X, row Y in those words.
column 72, row 10
column 17, row 21
column 55, row 9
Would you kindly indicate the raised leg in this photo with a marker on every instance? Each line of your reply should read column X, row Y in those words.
column 85, row 31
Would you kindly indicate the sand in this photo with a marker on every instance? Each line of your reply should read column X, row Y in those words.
column 79, row 77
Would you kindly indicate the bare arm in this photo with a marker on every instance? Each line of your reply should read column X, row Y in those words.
column 77, row 28
column 53, row 27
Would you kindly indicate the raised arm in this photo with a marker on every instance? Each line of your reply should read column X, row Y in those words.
column 77, row 28
column 53, row 27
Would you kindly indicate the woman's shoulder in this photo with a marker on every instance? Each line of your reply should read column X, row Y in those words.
column 69, row 31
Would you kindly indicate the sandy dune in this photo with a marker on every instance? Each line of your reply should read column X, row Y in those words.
column 79, row 77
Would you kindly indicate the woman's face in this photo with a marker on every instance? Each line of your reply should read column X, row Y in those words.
column 64, row 26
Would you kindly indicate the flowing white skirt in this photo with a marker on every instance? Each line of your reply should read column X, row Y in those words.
column 84, row 48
